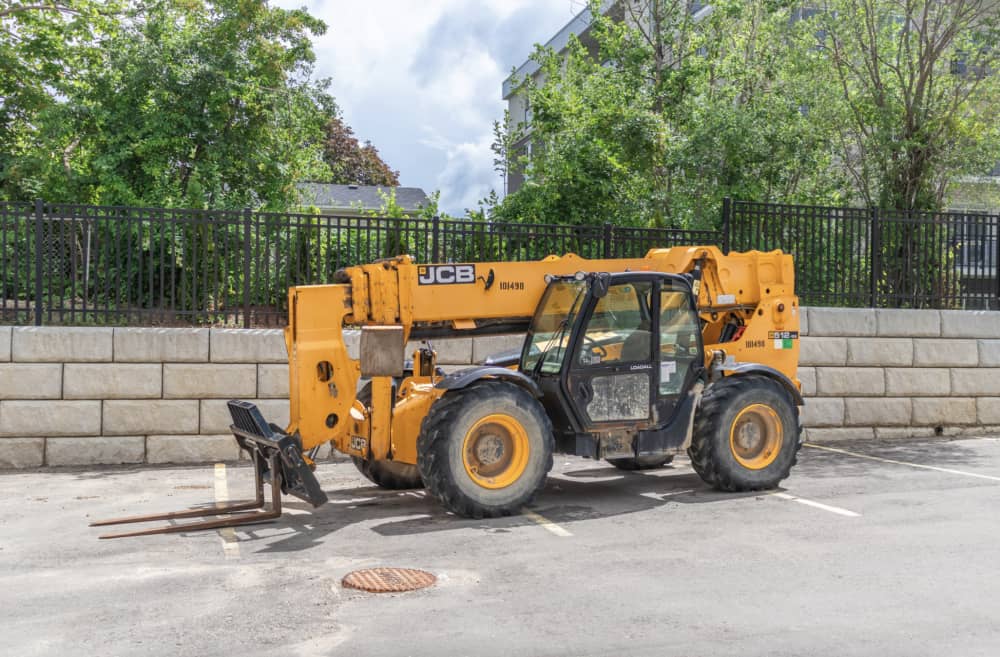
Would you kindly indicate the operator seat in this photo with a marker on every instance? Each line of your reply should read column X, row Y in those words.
column 636, row 346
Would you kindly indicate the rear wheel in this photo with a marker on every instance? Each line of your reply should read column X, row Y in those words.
column 746, row 434
column 484, row 451
column 390, row 475
column 642, row 462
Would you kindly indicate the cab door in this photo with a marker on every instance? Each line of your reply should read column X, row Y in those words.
column 611, row 378
column 680, row 352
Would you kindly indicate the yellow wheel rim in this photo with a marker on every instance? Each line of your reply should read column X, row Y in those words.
column 495, row 451
column 755, row 436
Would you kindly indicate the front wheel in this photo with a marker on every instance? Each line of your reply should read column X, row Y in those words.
column 484, row 451
column 746, row 434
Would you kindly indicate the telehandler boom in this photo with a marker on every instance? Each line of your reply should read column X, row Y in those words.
column 629, row 360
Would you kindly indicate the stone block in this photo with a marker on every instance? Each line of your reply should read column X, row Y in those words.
column 945, row 353
column 803, row 321
column 30, row 381
column 823, row 412
column 272, row 381
column 112, row 381
column 841, row 322
column 138, row 418
column 215, row 418
column 61, row 344
column 248, row 346
column 917, row 381
column 849, row 381
column 908, row 323
column 981, row 431
column 989, row 353
column 95, row 450
column 823, row 351
column 807, row 377
column 191, row 449
column 946, row 411
column 884, row 352
column 198, row 381
column 161, row 345
column 970, row 324
column 978, row 382
column 486, row 346
column 878, row 412
column 50, row 418
column 988, row 410
column 456, row 351
column 833, row 435
column 5, row 337
column 897, row 433
column 22, row 452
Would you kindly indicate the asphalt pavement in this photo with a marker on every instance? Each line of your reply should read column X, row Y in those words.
column 870, row 548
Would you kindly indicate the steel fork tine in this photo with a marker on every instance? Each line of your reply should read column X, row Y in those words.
column 248, row 518
column 232, row 521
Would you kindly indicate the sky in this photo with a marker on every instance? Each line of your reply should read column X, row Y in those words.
column 421, row 79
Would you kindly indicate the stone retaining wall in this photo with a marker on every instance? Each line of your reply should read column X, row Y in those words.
column 82, row 396
column 899, row 373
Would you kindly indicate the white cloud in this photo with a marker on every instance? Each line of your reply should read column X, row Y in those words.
column 422, row 80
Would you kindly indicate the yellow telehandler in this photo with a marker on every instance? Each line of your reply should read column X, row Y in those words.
column 628, row 360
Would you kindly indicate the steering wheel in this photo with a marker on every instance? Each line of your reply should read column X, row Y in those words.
column 592, row 345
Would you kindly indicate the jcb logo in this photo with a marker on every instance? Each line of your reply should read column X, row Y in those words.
column 446, row 274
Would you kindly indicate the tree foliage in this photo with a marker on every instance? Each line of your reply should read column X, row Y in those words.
column 916, row 94
column 177, row 103
column 669, row 105
column 351, row 162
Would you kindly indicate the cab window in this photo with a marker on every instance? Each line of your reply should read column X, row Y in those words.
column 679, row 333
column 619, row 329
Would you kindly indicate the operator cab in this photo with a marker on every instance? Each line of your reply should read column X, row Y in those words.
column 618, row 358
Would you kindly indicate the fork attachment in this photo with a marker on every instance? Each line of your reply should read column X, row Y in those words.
column 276, row 456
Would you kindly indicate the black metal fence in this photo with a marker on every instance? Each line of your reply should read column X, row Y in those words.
column 863, row 257
column 80, row 264
column 83, row 264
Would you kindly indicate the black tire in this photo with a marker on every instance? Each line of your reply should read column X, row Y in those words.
column 642, row 462
column 451, row 423
column 713, row 451
column 386, row 474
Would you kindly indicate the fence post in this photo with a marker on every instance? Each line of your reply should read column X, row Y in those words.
column 876, row 256
column 247, row 218
column 608, row 236
column 435, row 234
column 39, row 213
column 996, row 256
column 727, row 213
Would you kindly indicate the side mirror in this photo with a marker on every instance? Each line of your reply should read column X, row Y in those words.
column 600, row 285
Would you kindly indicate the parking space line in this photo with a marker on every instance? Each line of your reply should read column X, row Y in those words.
column 546, row 523
column 817, row 505
column 912, row 465
column 662, row 496
column 230, row 546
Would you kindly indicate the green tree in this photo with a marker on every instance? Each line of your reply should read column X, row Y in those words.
column 191, row 103
column 43, row 45
column 674, row 110
column 917, row 94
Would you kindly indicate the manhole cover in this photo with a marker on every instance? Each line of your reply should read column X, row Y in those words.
column 388, row 580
